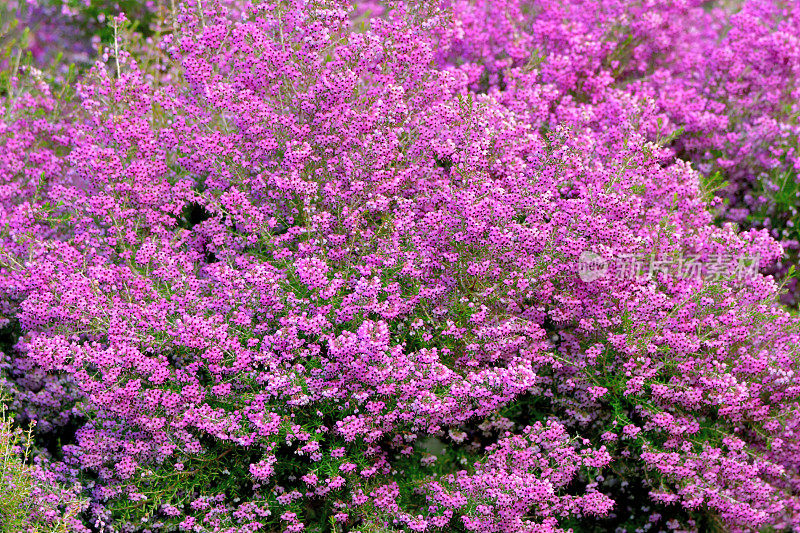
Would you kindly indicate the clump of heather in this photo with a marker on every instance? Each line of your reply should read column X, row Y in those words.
column 69, row 32
column 35, row 136
column 304, row 266
column 722, row 76
column 32, row 500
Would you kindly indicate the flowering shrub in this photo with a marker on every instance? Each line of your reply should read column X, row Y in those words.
column 31, row 499
column 298, row 266
column 71, row 30
column 722, row 77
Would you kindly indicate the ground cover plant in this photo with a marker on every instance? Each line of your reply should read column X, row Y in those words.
column 309, row 265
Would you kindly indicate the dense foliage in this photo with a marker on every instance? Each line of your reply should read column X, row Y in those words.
column 303, row 265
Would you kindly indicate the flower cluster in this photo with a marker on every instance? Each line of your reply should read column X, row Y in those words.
column 721, row 77
column 32, row 499
column 306, row 266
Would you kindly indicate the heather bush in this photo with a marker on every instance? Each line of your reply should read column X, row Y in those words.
column 30, row 499
column 72, row 30
column 301, row 266
column 722, row 75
